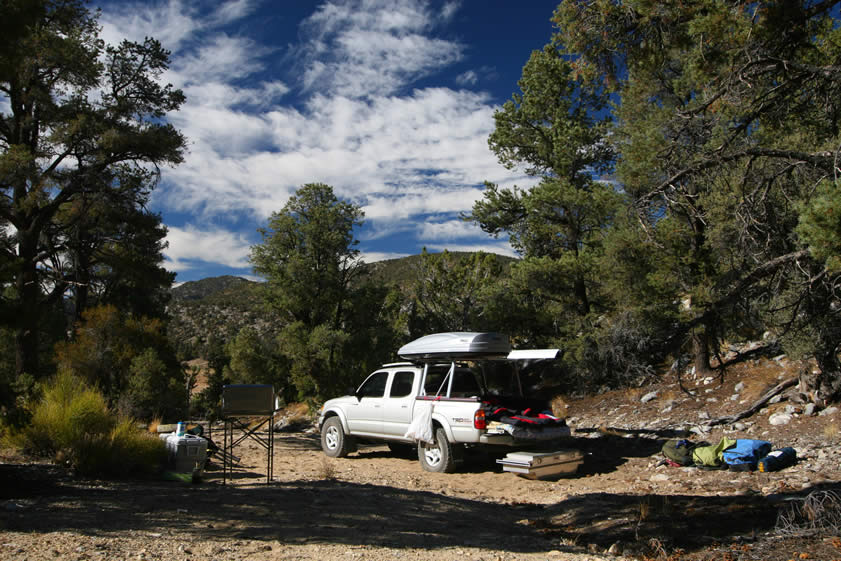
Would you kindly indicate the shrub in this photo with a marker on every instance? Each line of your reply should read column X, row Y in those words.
column 72, row 423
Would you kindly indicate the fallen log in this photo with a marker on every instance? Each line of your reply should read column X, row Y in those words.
column 778, row 389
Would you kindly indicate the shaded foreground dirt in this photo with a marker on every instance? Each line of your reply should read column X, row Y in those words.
column 376, row 505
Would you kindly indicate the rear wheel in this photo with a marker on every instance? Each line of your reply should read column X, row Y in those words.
column 438, row 457
column 334, row 441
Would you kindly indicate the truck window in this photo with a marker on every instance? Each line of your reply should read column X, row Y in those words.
column 464, row 383
column 374, row 386
column 434, row 379
column 401, row 384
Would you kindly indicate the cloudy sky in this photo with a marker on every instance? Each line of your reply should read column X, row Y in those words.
column 388, row 101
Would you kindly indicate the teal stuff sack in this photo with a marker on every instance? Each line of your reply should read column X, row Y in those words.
column 745, row 455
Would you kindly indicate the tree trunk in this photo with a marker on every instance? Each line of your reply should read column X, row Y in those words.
column 581, row 295
column 824, row 385
column 28, row 320
column 701, row 350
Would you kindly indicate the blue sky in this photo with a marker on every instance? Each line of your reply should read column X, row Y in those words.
column 389, row 102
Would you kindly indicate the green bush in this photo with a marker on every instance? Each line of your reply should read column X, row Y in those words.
column 73, row 424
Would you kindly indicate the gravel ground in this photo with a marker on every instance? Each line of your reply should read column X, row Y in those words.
column 621, row 504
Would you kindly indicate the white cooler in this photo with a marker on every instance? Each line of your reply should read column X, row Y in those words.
column 186, row 454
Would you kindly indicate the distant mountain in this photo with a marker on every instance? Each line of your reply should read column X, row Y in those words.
column 217, row 308
column 402, row 272
column 196, row 290
column 214, row 310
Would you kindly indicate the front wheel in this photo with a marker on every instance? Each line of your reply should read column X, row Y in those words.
column 334, row 441
column 438, row 457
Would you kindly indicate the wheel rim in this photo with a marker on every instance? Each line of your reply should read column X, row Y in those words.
column 433, row 455
column 331, row 438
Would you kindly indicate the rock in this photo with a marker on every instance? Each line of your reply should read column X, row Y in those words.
column 649, row 397
column 779, row 419
column 658, row 477
column 809, row 410
column 776, row 399
column 739, row 426
column 828, row 411
column 703, row 415
column 739, row 387
column 708, row 380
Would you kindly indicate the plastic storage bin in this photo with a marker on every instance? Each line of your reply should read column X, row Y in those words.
column 186, row 454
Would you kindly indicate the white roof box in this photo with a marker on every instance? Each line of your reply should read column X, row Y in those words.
column 457, row 345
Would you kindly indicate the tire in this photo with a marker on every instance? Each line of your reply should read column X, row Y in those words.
column 439, row 457
column 334, row 441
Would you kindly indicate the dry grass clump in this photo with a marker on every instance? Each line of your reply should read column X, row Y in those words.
column 633, row 395
column 73, row 424
column 559, row 406
column 297, row 412
column 830, row 431
column 327, row 469
column 817, row 514
column 153, row 425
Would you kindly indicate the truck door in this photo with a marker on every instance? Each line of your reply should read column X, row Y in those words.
column 365, row 416
column 397, row 405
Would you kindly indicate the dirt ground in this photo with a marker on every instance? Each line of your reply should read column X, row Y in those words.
column 621, row 504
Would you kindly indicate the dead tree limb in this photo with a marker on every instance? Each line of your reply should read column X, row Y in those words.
column 778, row 389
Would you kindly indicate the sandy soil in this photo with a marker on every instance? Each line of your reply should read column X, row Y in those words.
column 375, row 505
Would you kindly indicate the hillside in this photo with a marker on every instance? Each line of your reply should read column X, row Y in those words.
column 216, row 308
column 197, row 290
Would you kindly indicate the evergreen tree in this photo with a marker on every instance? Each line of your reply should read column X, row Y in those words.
column 555, row 129
column 727, row 123
column 79, row 118
column 308, row 259
column 450, row 292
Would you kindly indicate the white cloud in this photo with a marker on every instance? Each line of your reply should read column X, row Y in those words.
column 449, row 230
column 190, row 245
column 221, row 57
column 374, row 256
column 468, row 78
column 171, row 22
column 401, row 154
column 372, row 47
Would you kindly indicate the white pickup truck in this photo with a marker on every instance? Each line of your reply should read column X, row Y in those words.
column 442, row 372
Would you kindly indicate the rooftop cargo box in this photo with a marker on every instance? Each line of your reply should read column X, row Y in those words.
column 456, row 345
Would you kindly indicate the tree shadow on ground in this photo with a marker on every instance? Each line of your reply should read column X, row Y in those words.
column 663, row 523
column 45, row 499
column 325, row 511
